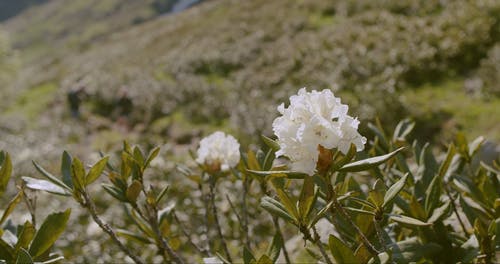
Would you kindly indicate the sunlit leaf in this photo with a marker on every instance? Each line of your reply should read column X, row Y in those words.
column 407, row 220
column 43, row 185
column 394, row 190
column 96, row 171
column 366, row 164
column 51, row 229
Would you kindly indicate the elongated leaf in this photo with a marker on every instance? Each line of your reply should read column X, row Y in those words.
column 151, row 156
column 23, row 257
column 362, row 202
column 394, row 190
column 162, row 194
column 5, row 173
column 264, row 259
column 51, row 229
column 247, row 256
column 43, row 185
column 446, row 163
column 286, row 174
column 408, row 220
column 306, row 199
column 271, row 143
column 78, row 174
column 26, row 235
column 274, row 250
column 361, row 211
column 115, row 192
column 252, row 162
column 96, row 170
column 341, row 253
column 403, row 129
column 289, row 203
column 432, row 195
column 440, row 212
column 366, row 164
column 66, row 161
column 276, row 209
column 6, row 251
column 12, row 204
column 133, row 237
column 475, row 145
column 50, row 177
column 133, row 191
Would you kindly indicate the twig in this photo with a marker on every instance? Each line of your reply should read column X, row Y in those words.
column 456, row 211
column 283, row 247
column 106, row 228
column 245, row 212
column 380, row 234
column 337, row 206
column 216, row 220
column 190, row 241
column 206, row 204
column 162, row 243
column 317, row 241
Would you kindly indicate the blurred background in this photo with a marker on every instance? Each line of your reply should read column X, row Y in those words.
column 85, row 75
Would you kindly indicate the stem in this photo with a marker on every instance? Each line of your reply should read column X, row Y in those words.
column 244, row 211
column 283, row 247
column 205, row 203
column 317, row 241
column 166, row 249
column 89, row 205
column 336, row 205
column 456, row 211
column 380, row 234
column 190, row 241
column 216, row 219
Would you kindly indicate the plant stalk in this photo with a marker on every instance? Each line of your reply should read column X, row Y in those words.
column 216, row 220
column 317, row 241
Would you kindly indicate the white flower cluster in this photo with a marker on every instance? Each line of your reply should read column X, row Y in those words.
column 219, row 149
column 312, row 119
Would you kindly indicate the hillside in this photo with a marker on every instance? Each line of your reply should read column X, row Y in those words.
column 227, row 63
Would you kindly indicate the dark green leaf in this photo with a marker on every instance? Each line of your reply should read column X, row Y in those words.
column 5, row 173
column 432, row 195
column 78, row 174
column 162, row 194
column 26, row 235
column 275, row 208
column 6, row 251
column 96, row 171
column 66, row 161
column 23, row 257
column 115, row 192
column 247, row 256
column 306, row 199
column 43, row 185
column 394, row 190
column 133, row 191
column 289, row 203
column 133, row 237
column 340, row 251
column 275, row 248
column 51, row 229
column 10, row 207
column 151, row 156
column 366, row 164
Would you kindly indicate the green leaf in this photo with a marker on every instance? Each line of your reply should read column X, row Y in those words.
column 276, row 208
column 340, row 251
column 151, row 156
column 133, row 191
column 43, row 185
column 289, row 203
column 96, row 171
column 346, row 158
column 6, row 251
column 12, row 204
column 271, row 143
column 115, row 192
column 286, row 174
column 446, row 163
column 26, row 235
column 23, row 257
column 162, row 194
column 264, row 259
column 394, row 190
column 307, row 197
column 440, row 212
column 51, row 229
column 66, row 161
column 432, row 195
column 51, row 177
column 78, row 174
column 247, row 256
column 403, row 129
column 274, row 250
column 361, row 211
column 366, row 164
column 133, row 237
column 5, row 173
column 475, row 145
column 407, row 220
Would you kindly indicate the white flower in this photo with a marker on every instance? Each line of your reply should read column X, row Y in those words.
column 219, row 149
column 314, row 118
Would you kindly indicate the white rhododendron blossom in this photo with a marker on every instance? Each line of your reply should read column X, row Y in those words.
column 314, row 118
column 219, row 149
